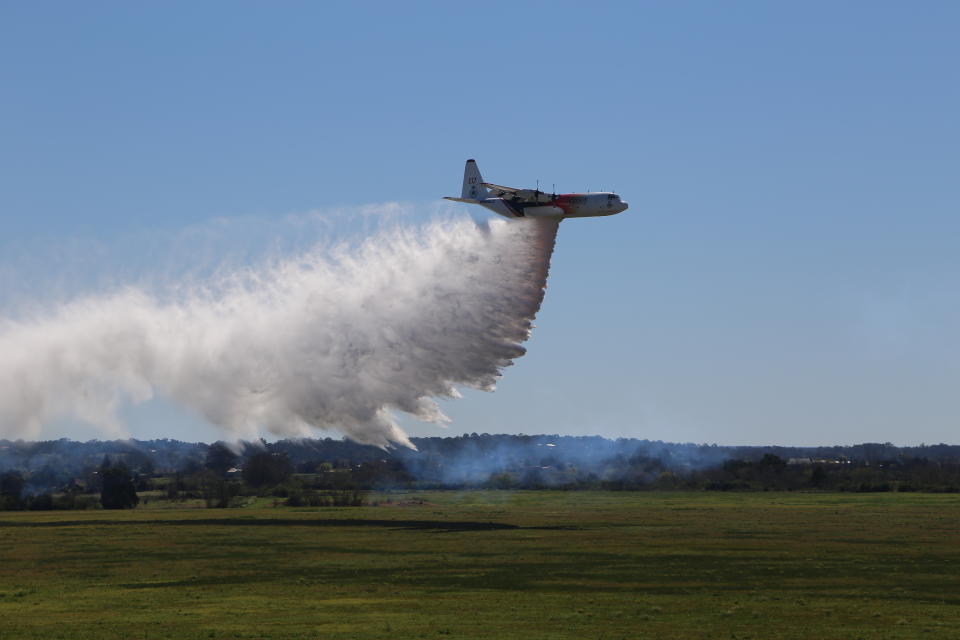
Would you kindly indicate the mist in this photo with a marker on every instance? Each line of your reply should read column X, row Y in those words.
column 341, row 337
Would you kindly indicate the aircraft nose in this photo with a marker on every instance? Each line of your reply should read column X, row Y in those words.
column 624, row 205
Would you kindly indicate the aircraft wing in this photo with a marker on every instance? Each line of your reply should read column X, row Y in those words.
column 522, row 195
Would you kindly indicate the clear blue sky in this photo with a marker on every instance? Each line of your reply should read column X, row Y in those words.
column 787, row 272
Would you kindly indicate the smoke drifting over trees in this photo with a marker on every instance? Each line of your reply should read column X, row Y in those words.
column 331, row 339
column 288, row 468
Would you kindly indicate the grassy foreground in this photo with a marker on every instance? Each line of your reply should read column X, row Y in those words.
column 493, row 565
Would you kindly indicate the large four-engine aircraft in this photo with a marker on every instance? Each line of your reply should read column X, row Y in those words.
column 533, row 203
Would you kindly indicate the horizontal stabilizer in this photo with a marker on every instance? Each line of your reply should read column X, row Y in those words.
column 467, row 200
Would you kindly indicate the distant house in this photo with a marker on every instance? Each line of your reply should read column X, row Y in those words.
column 816, row 461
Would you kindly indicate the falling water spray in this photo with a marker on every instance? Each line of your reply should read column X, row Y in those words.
column 340, row 339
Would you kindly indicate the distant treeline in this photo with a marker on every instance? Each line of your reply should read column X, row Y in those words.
column 68, row 474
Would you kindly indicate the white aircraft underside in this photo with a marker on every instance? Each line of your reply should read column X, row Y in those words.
column 533, row 203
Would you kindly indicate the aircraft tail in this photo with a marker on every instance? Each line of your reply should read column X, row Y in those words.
column 473, row 188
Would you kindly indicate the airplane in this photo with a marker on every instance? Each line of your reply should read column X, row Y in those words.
column 533, row 203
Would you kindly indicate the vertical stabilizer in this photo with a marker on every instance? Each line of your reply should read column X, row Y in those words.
column 473, row 183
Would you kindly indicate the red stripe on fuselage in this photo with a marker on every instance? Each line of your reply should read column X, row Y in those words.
column 563, row 202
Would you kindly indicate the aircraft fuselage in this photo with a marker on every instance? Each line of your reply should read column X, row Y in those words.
column 565, row 205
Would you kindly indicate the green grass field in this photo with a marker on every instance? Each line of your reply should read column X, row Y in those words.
column 493, row 565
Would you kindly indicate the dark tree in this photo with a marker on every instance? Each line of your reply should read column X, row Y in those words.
column 216, row 491
column 382, row 473
column 266, row 469
column 220, row 459
column 772, row 461
column 11, row 486
column 118, row 490
column 41, row 502
column 818, row 477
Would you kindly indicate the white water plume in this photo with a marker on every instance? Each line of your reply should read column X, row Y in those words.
column 336, row 339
